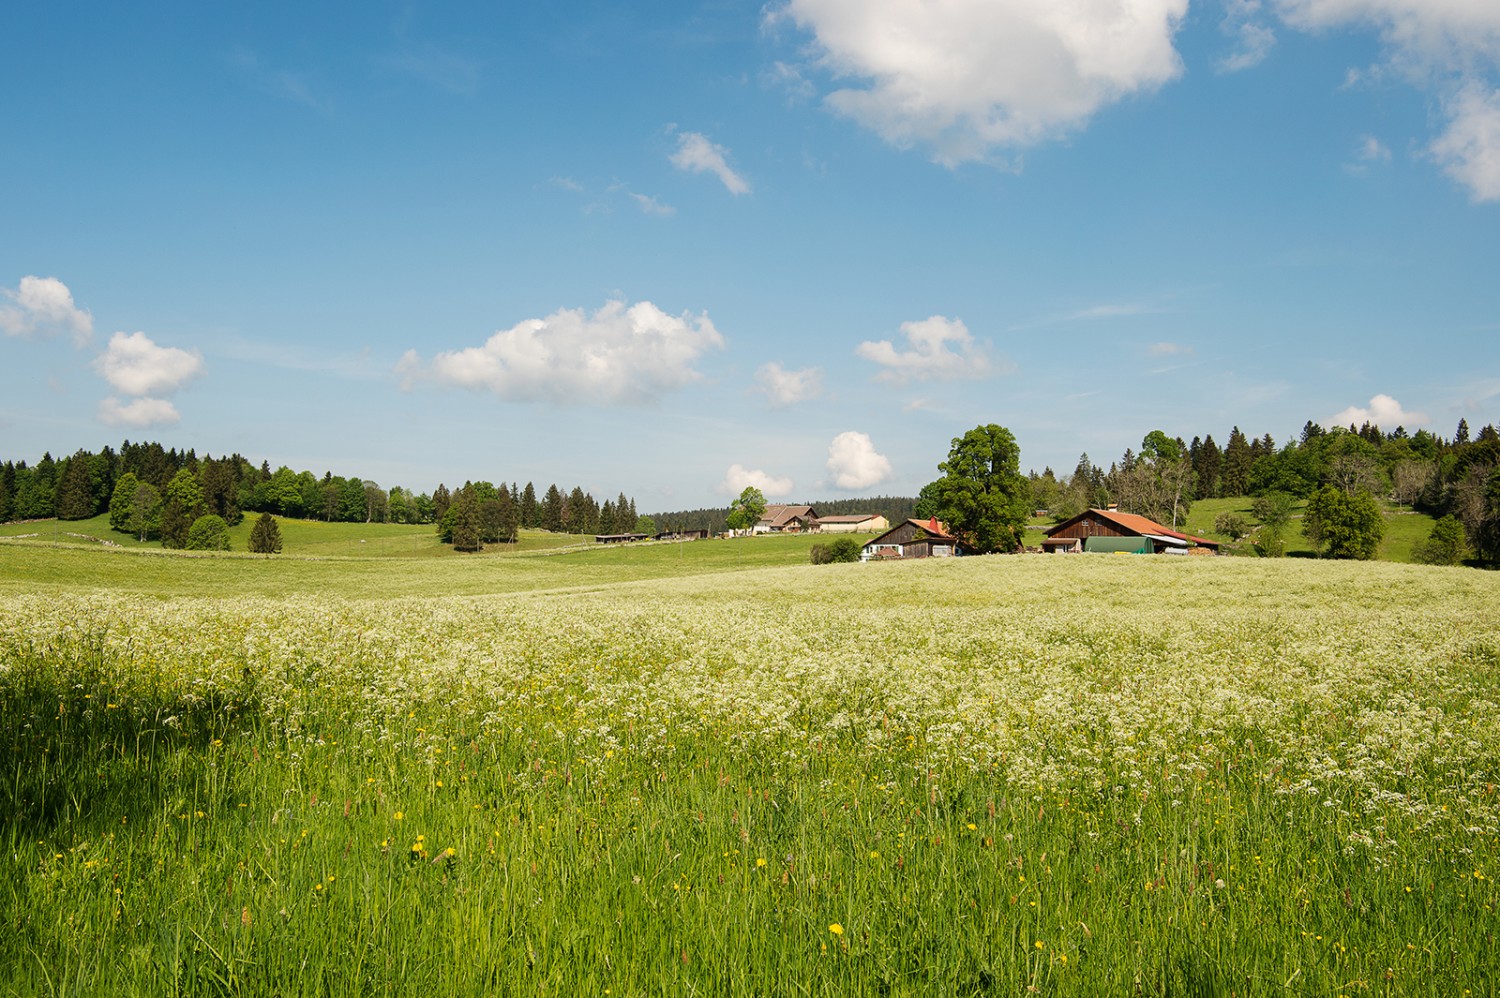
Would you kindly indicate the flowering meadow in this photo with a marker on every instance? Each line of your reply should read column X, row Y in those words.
column 987, row 776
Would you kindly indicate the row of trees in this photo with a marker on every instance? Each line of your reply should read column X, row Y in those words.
column 157, row 493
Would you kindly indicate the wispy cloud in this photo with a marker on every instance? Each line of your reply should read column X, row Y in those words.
column 696, row 154
column 431, row 64
column 273, row 81
column 1253, row 38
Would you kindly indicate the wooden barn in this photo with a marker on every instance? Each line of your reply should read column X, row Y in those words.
column 1108, row 531
column 912, row 539
column 780, row 518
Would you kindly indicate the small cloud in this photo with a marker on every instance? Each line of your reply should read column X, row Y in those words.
column 916, row 405
column 696, row 154
column 1383, row 411
column 930, row 357
column 785, row 387
column 136, row 366
column 788, row 78
column 1372, row 150
column 1165, row 349
column 44, row 305
column 137, row 412
column 567, row 184
column 650, row 206
column 739, row 478
column 854, row 463
column 1254, row 40
column 618, row 355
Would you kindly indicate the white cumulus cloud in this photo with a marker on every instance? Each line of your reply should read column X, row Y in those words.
column 739, row 478
column 44, row 305
column 137, row 412
column 1167, row 349
column 696, row 154
column 619, row 354
column 966, row 77
column 1383, row 411
column 1469, row 148
column 137, row 366
column 940, row 349
column 785, row 387
column 854, row 463
column 1450, row 47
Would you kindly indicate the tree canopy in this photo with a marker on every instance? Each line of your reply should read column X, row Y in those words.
column 746, row 511
column 982, row 497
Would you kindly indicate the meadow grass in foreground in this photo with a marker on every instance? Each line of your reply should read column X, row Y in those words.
column 1069, row 776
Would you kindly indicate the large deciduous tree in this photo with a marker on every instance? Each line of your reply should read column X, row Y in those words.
column 1343, row 525
column 982, row 496
column 746, row 511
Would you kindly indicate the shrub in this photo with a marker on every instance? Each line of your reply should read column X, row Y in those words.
column 843, row 549
column 208, row 533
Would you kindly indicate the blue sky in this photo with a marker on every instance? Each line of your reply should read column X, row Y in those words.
column 683, row 249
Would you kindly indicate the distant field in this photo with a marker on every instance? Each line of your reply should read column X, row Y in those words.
column 715, row 769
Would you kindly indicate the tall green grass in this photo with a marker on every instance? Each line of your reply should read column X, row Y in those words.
column 994, row 777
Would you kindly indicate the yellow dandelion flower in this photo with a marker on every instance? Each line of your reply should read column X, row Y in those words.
column 1040, row 944
column 400, row 815
column 836, row 929
column 760, row 861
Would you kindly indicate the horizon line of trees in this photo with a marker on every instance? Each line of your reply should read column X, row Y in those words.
column 158, row 493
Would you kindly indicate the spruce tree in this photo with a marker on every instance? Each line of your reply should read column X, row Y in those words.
column 265, row 536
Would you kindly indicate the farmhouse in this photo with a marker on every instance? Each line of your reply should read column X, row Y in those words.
column 912, row 539
column 781, row 519
column 854, row 523
column 1110, row 531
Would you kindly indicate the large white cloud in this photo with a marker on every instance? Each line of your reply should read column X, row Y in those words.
column 137, row 412
column 1469, row 148
column 137, row 366
column 696, row 154
column 854, row 463
column 967, row 77
column 1383, row 411
column 1451, row 47
column 930, row 357
column 618, row 355
column 739, row 478
column 785, row 387
column 44, row 305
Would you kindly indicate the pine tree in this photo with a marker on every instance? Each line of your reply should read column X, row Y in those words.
column 531, row 512
column 1235, row 476
column 465, row 524
column 75, row 498
column 265, row 536
column 175, row 524
column 552, row 509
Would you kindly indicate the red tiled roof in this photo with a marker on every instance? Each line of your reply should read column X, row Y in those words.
column 1145, row 525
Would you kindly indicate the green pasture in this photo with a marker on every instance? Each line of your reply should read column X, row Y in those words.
column 712, row 768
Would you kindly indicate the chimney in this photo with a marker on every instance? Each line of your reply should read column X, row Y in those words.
column 935, row 527
column 1114, row 507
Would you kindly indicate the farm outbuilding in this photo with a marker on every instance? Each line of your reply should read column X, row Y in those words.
column 912, row 539
column 853, row 523
column 1108, row 531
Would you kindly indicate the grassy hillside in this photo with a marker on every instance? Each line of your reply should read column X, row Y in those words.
column 347, row 560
